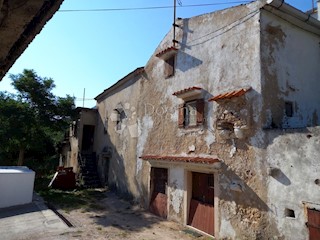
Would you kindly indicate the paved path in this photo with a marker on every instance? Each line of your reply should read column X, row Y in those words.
column 26, row 221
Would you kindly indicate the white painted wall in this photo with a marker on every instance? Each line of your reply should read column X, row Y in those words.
column 16, row 186
column 294, row 150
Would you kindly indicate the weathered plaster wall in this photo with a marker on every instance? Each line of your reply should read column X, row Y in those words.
column 261, row 174
column 219, row 52
column 290, row 145
column 290, row 58
column 176, row 193
column 119, row 145
column 74, row 151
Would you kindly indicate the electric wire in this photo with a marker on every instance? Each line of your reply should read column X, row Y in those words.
column 150, row 8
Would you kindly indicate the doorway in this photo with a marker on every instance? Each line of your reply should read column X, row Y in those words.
column 201, row 211
column 158, row 184
column 87, row 138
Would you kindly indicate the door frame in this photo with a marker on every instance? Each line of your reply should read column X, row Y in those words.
column 151, row 186
column 188, row 196
column 188, row 168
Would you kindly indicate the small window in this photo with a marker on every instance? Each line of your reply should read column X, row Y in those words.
column 105, row 125
column 120, row 117
column 169, row 68
column 191, row 114
column 289, row 109
column 289, row 213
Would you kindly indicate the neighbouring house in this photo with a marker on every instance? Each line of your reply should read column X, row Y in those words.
column 314, row 12
column 77, row 150
column 116, row 135
column 220, row 130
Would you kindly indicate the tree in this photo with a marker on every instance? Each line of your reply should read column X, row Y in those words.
column 34, row 120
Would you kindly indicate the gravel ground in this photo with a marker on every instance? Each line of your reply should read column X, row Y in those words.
column 114, row 218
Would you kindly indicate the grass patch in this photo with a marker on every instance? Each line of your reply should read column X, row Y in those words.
column 123, row 235
column 97, row 206
column 192, row 233
column 68, row 200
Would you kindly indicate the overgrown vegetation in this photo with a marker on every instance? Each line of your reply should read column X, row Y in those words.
column 32, row 124
column 32, row 121
column 85, row 199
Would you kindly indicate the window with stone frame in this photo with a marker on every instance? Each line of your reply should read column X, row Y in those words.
column 191, row 114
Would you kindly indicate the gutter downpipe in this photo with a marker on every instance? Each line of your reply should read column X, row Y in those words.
column 288, row 9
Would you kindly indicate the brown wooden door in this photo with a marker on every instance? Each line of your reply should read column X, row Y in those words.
column 158, row 202
column 314, row 224
column 201, row 213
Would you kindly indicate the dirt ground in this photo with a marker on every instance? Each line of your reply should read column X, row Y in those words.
column 114, row 218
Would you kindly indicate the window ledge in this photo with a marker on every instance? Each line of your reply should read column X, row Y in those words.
column 185, row 130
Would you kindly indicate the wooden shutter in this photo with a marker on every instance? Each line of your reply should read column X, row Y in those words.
column 200, row 111
column 181, row 116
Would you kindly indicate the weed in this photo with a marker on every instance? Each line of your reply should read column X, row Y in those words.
column 123, row 235
column 97, row 206
column 68, row 200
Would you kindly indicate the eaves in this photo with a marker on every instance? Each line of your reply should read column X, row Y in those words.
column 293, row 15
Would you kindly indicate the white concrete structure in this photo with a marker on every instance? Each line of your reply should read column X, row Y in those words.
column 16, row 186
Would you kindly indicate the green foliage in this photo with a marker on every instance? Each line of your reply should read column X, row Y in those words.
column 34, row 120
column 85, row 199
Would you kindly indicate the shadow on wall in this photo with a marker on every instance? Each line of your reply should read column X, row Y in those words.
column 215, row 33
column 186, row 61
column 236, row 190
column 278, row 175
column 242, row 204
column 116, row 177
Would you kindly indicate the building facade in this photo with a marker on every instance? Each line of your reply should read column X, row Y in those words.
column 220, row 130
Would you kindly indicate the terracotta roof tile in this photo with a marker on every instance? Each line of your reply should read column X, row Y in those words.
column 185, row 159
column 186, row 90
column 167, row 52
column 231, row 94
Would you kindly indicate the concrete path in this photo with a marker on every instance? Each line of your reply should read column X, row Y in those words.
column 26, row 221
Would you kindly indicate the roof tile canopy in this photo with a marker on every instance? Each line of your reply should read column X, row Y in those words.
column 231, row 94
column 187, row 92
column 167, row 53
column 184, row 159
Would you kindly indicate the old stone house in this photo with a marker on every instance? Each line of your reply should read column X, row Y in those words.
column 220, row 130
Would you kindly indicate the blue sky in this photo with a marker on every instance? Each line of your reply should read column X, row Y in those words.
column 93, row 50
